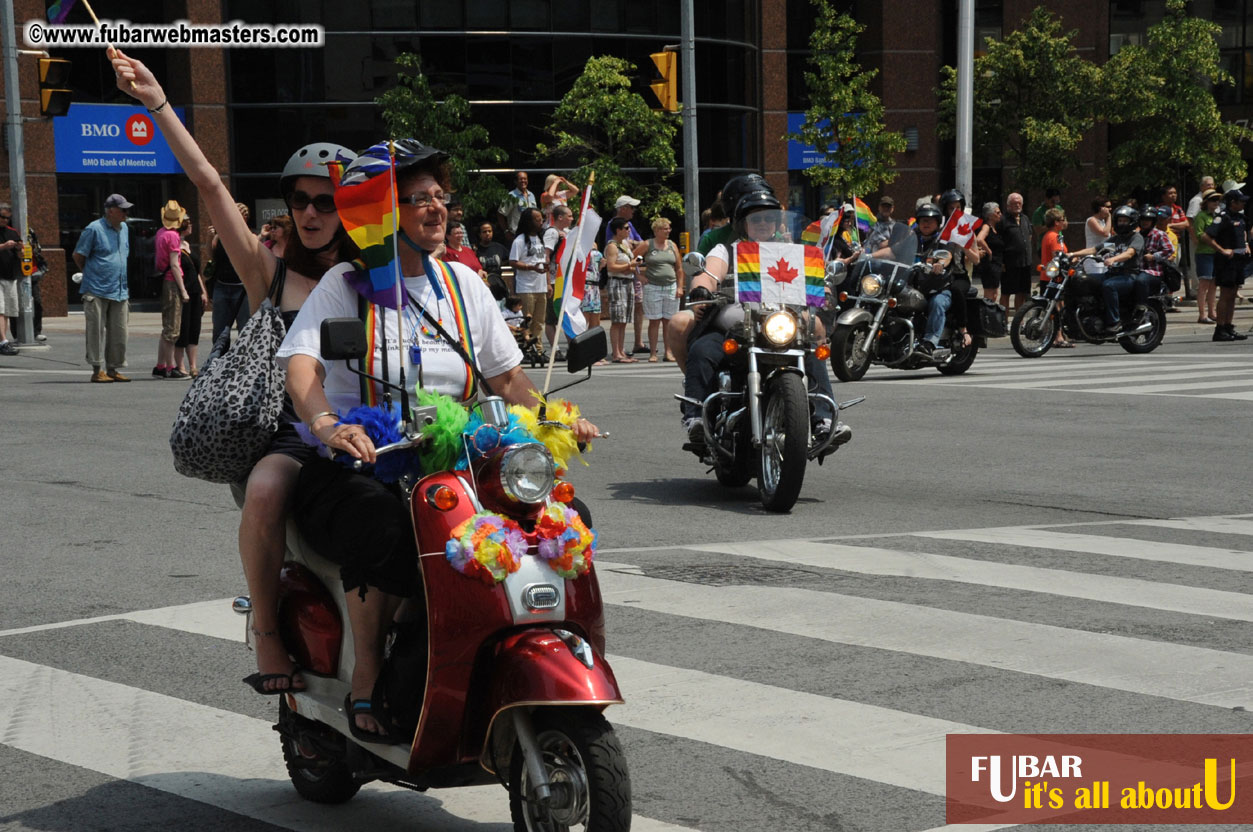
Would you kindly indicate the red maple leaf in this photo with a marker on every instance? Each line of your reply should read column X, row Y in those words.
column 782, row 272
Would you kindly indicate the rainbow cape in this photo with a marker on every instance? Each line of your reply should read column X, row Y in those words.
column 779, row 273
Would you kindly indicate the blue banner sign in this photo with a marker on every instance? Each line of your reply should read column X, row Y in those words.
column 111, row 138
column 799, row 154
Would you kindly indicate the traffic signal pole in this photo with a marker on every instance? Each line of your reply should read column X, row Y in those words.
column 691, row 191
column 17, row 154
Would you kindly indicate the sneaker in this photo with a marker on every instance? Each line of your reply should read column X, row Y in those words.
column 7, row 348
column 1112, row 329
column 695, row 430
column 99, row 377
column 41, row 337
column 174, row 372
column 924, row 346
column 114, row 375
column 158, row 372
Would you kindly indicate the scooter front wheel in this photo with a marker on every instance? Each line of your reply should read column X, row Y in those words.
column 317, row 774
column 591, row 788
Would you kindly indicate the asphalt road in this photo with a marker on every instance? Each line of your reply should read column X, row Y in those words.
column 1027, row 548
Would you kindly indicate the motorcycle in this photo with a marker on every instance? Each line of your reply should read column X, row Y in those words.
column 757, row 423
column 500, row 679
column 1072, row 300
column 883, row 314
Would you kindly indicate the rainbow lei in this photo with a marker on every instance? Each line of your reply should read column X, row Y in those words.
column 486, row 546
column 565, row 541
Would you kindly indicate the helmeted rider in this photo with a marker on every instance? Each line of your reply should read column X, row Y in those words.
column 944, row 283
column 705, row 355
column 1125, row 247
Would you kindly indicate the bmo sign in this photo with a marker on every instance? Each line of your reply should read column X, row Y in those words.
column 111, row 138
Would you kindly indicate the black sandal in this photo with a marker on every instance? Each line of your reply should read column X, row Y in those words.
column 364, row 707
column 257, row 682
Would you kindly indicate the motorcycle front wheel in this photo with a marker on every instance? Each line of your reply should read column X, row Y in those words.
column 587, row 770
column 850, row 352
column 1153, row 313
column 1032, row 332
column 784, row 442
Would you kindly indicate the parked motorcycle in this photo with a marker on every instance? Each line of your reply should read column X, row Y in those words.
column 883, row 317
column 757, row 423
column 495, row 680
column 1072, row 300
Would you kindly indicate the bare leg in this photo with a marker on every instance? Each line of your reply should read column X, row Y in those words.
column 165, row 353
column 368, row 618
column 676, row 336
column 180, row 360
column 192, row 356
column 1226, row 304
column 617, row 337
column 262, row 540
column 639, row 326
column 665, row 338
column 653, row 326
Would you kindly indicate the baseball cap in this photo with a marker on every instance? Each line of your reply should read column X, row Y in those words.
column 626, row 200
column 887, row 200
column 118, row 201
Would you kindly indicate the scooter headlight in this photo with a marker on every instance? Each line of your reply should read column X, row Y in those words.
column 871, row 285
column 527, row 473
column 779, row 328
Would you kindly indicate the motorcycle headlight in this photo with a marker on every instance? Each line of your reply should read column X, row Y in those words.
column 779, row 328
column 527, row 473
column 871, row 285
column 1051, row 270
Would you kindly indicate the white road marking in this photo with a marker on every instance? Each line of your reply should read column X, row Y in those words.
column 1224, row 525
column 1099, row 545
column 1182, row 373
column 866, row 560
column 212, row 756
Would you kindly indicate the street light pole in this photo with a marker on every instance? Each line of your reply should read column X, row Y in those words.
column 687, row 62
column 965, row 96
column 17, row 153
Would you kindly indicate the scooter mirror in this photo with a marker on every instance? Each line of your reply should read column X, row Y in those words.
column 342, row 338
column 693, row 263
column 585, row 349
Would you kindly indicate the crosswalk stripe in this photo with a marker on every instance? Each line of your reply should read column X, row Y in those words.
column 212, row 756
column 1022, row 368
column 1224, row 525
column 1146, row 389
column 1099, row 545
column 867, row 560
column 1240, row 397
column 1173, row 671
column 1183, row 373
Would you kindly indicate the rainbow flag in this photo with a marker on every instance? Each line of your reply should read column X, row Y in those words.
column 365, row 210
column 779, row 273
column 865, row 217
column 60, row 10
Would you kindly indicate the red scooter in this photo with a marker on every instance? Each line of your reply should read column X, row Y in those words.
column 497, row 681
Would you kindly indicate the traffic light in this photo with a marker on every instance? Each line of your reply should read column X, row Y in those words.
column 54, row 75
column 666, row 89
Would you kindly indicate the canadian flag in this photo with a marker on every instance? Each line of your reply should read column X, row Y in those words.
column 960, row 229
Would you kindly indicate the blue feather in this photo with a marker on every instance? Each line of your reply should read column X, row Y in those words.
column 382, row 425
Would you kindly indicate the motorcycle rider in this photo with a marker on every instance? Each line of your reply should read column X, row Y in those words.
column 930, row 278
column 757, row 217
column 1124, row 266
column 1229, row 236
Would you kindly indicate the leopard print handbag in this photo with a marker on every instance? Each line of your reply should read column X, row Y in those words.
column 231, row 411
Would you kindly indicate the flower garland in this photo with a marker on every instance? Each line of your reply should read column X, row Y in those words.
column 565, row 541
column 487, row 547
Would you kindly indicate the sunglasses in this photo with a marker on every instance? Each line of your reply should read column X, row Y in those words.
column 424, row 200
column 762, row 218
column 322, row 203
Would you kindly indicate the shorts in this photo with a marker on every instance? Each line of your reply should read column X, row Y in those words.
column 591, row 299
column 621, row 300
column 660, row 302
column 9, row 305
column 171, row 311
column 1229, row 271
column 1204, row 266
column 989, row 275
column 550, row 314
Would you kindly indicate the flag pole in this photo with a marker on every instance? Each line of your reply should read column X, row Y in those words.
column 400, row 287
column 552, row 358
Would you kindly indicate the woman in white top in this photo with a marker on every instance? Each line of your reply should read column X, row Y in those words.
column 529, row 259
column 1098, row 229
column 361, row 524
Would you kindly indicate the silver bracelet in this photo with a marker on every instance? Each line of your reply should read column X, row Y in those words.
column 317, row 416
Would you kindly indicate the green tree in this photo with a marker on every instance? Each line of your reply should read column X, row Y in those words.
column 1034, row 99
column 410, row 109
column 602, row 126
column 845, row 117
column 1161, row 93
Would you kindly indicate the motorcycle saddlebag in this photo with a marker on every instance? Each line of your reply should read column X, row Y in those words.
column 986, row 318
column 1171, row 276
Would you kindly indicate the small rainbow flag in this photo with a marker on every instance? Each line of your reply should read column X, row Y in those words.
column 365, row 208
column 779, row 273
column 865, row 217
column 815, row 276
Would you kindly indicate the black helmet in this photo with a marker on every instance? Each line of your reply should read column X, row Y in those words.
column 953, row 195
column 739, row 186
column 1235, row 193
column 1128, row 215
column 929, row 210
column 311, row 160
column 755, row 201
column 375, row 159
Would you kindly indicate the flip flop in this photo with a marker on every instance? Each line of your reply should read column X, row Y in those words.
column 257, row 682
column 601, row 363
column 356, row 707
column 652, row 359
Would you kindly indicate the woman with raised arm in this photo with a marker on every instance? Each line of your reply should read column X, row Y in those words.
column 318, row 244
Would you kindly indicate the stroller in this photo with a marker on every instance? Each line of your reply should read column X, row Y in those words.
column 532, row 347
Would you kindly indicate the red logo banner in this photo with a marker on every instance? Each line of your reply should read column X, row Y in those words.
column 1099, row 778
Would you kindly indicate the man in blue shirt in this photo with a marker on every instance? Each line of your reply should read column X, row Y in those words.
column 101, row 256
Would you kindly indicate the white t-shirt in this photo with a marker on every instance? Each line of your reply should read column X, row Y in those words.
column 528, row 250
column 495, row 349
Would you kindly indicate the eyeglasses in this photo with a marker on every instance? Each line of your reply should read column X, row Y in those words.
column 424, row 200
column 322, row 203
